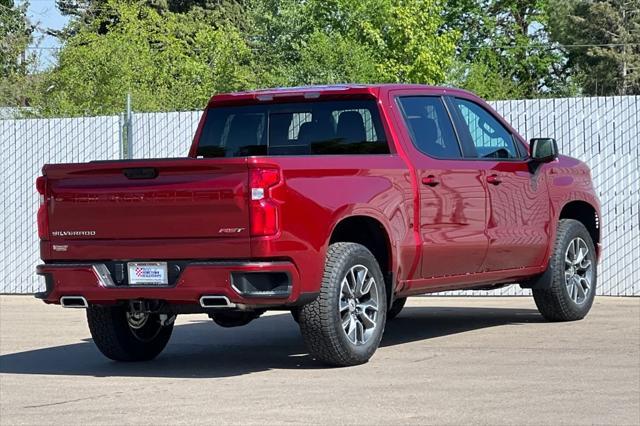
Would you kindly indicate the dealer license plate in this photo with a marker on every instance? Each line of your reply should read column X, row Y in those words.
column 148, row 273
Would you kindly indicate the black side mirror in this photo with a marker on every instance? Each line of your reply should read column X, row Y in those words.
column 543, row 150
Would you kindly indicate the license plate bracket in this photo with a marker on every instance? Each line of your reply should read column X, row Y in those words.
column 148, row 273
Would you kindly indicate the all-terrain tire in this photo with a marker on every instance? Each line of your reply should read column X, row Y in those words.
column 555, row 302
column 321, row 321
column 396, row 308
column 117, row 340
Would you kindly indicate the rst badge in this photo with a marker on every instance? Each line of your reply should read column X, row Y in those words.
column 230, row 230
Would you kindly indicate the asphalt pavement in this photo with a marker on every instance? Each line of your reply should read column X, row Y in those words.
column 444, row 360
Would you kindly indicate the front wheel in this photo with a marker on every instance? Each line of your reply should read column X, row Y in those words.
column 573, row 269
column 125, row 336
column 344, row 325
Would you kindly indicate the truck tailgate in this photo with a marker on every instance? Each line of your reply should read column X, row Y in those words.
column 148, row 199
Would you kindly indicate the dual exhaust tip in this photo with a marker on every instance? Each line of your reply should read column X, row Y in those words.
column 216, row 302
column 73, row 302
column 205, row 302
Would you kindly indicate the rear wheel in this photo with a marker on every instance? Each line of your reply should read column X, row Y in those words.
column 344, row 325
column 573, row 275
column 122, row 335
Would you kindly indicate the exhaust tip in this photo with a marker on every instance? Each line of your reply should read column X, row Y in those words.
column 216, row 302
column 73, row 302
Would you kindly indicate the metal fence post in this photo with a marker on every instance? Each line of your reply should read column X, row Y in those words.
column 129, row 124
column 121, row 141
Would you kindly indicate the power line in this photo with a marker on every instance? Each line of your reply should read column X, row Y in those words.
column 555, row 46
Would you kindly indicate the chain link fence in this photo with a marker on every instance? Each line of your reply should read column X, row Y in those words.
column 603, row 131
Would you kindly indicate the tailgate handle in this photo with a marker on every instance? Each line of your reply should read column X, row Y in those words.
column 141, row 173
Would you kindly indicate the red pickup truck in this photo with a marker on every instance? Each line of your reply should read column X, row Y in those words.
column 333, row 202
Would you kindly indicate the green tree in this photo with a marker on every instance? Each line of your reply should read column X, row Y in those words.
column 393, row 41
column 505, row 50
column 603, row 43
column 486, row 77
column 15, row 63
column 166, row 61
column 219, row 13
column 333, row 58
column 174, row 55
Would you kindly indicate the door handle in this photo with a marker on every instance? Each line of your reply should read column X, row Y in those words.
column 430, row 180
column 494, row 180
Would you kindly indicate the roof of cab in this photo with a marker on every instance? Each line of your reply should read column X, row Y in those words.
column 313, row 92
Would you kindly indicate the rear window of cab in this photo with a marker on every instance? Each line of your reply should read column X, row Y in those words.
column 305, row 128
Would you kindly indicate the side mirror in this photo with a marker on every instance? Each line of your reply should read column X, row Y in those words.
column 543, row 150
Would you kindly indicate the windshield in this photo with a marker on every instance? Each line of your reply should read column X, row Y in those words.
column 305, row 128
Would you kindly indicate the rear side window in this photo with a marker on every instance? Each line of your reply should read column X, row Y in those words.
column 490, row 137
column 430, row 127
column 305, row 128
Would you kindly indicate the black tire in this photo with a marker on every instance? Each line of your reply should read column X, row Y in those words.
column 117, row 340
column 396, row 308
column 554, row 302
column 321, row 322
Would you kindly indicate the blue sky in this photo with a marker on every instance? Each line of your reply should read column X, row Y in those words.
column 45, row 14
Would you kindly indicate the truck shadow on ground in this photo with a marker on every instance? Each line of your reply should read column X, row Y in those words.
column 200, row 349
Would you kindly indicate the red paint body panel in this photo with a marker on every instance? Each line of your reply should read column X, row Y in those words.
column 462, row 232
column 196, row 280
column 188, row 199
column 518, row 217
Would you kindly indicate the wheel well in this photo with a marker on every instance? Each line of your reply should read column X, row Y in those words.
column 585, row 213
column 370, row 233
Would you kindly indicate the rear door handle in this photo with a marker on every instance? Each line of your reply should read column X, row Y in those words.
column 494, row 180
column 430, row 180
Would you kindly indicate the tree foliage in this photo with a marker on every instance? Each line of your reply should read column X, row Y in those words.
column 603, row 39
column 391, row 41
column 15, row 62
column 165, row 61
column 173, row 54
column 505, row 51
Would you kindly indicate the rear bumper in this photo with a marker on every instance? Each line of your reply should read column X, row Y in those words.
column 94, row 282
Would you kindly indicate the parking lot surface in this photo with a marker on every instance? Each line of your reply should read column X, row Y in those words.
column 443, row 361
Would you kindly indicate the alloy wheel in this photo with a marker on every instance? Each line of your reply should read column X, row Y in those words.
column 578, row 270
column 358, row 304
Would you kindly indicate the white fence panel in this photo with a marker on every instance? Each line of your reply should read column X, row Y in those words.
column 163, row 135
column 603, row 132
column 26, row 146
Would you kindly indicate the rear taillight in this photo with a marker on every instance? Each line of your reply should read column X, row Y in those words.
column 43, row 215
column 264, row 209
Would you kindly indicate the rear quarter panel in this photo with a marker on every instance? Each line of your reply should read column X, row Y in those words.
column 318, row 192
